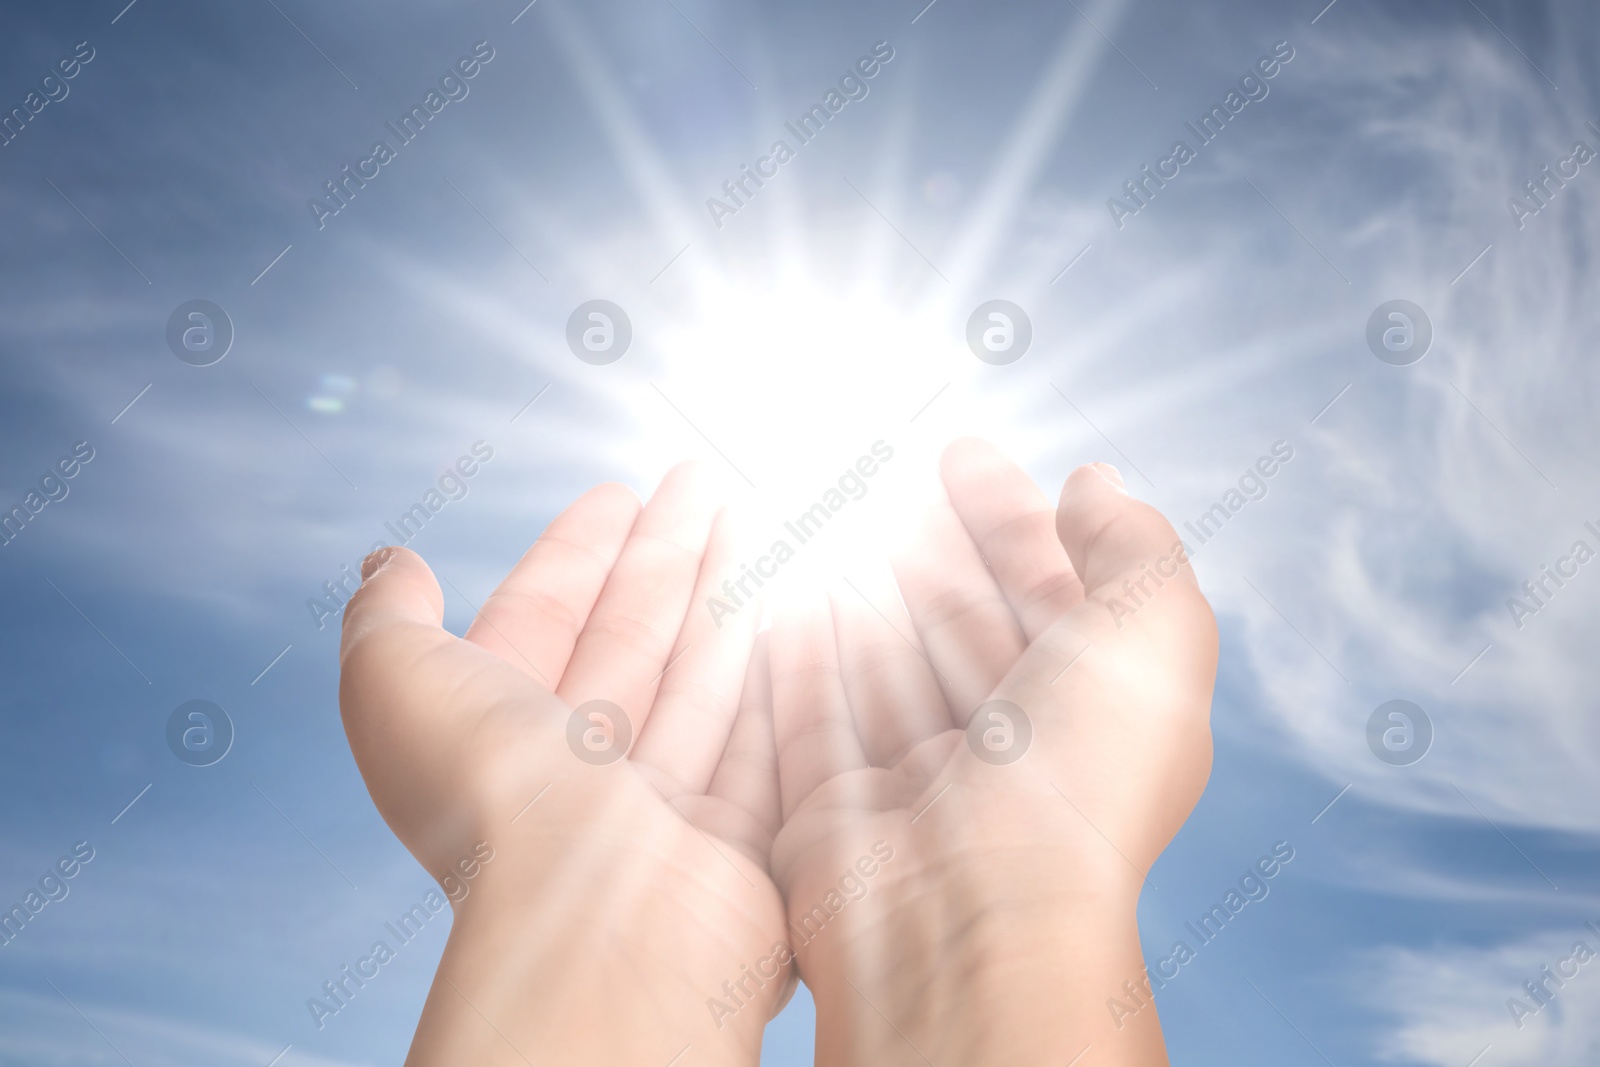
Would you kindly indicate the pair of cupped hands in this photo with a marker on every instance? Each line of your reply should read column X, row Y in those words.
column 800, row 803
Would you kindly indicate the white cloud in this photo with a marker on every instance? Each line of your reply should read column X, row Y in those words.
column 48, row 1030
column 1445, row 1007
column 1419, row 502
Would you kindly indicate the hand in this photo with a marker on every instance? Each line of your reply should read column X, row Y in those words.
column 620, row 896
column 1003, row 918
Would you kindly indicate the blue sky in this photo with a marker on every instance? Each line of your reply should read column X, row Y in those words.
column 1227, row 314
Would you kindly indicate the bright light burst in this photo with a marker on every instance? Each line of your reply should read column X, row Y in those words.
column 802, row 390
column 812, row 328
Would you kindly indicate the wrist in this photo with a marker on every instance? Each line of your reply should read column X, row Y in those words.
column 505, row 994
column 1008, row 975
column 622, row 977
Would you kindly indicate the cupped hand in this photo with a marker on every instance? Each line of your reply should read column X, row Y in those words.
column 967, row 896
column 622, row 896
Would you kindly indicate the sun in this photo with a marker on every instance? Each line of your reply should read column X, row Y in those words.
column 817, row 399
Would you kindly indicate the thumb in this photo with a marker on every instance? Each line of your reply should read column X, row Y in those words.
column 1112, row 537
column 397, row 588
column 392, row 628
column 1142, row 603
column 405, row 695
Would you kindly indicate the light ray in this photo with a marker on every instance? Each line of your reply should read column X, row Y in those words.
column 644, row 166
column 1017, row 165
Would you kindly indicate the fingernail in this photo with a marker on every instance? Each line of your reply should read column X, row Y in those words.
column 375, row 560
column 1111, row 474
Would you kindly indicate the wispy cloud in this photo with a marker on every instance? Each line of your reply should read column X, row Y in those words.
column 52, row 1029
column 1448, row 1006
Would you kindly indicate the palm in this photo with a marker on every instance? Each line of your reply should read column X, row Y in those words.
column 871, row 702
column 646, row 874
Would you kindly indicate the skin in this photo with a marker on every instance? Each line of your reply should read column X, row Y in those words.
column 990, row 905
column 1006, row 918
column 625, row 894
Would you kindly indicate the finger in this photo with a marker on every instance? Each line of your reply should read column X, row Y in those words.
column 399, row 599
column 1120, row 688
column 815, row 735
column 747, row 774
column 1014, row 526
column 533, row 618
column 894, row 696
column 962, row 619
column 698, row 695
column 1113, row 538
column 1142, row 605
column 632, row 630
column 413, row 696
